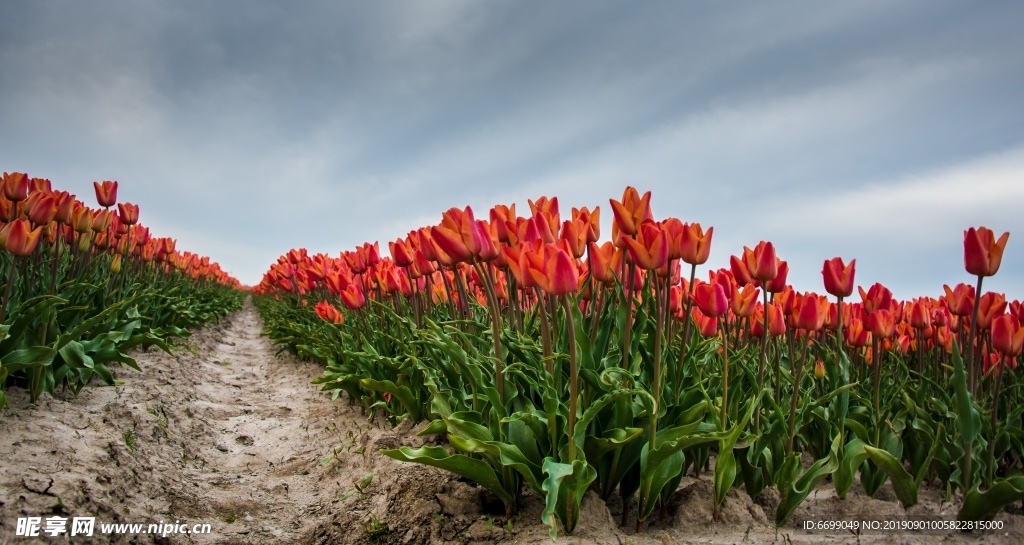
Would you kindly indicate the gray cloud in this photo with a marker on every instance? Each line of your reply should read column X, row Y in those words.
column 247, row 128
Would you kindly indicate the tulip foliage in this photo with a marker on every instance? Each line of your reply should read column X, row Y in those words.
column 551, row 361
column 82, row 286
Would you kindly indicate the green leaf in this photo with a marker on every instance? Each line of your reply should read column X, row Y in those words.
column 986, row 505
column 564, row 489
column 476, row 470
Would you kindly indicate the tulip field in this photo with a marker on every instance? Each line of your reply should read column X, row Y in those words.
column 544, row 359
column 531, row 357
column 82, row 286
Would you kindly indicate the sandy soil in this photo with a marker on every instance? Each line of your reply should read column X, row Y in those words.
column 228, row 434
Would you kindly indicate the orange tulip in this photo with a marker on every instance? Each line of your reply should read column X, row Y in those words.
column 632, row 211
column 959, row 300
column 650, row 249
column 546, row 218
column 695, row 244
column 602, row 258
column 878, row 297
column 856, row 335
column 353, row 297
column 16, row 186
column 106, row 193
column 19, row 238
column 591, row 220
column 992, row 304
column 744, row 300
column 574, row 233
column 42, row 207
column 329, row 312
column 839, row 277
column 500, row 216
column 129, row 213
column 882, row 324
column 1007, row 335
column 982, row 252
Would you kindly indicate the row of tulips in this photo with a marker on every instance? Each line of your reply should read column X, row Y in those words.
column 83, row 285
column 558, row 362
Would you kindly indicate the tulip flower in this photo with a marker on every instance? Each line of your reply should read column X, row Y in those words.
column 920, row 315
column 761, row 262
column 856, row 335
column 574, row 233
column 878, row 297
column 649, row 250
column 129, row 213
column 632, row 211
column 500, row 216
column 106, row 193
column 602, row 259
column 695, row 244
column 882, row 324
column 115, row 265
column 776, row 321
column 353, row 297
column 811, row 313
column 982, row 252
column 329, row 312
column 706, row 325
column 560, row 271
column 744, row 300
column 778, row 283
column 839, row 277
column 711, row 300
column 1007, row 335
column 16, row 186
column 42, row 207
column 990, row 305
column 591, row 220
column 19, row 238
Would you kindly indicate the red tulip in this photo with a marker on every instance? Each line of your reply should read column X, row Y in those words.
column 560, row 271
column 1007, row 335
column 19, row 238
column 106, row 193
column 706, row 325
column 839, row 277
column 711, row 299
column 776, row 321
column 982, row 252
column 761, row 262
column 920, row 315
column 811, row 312
column 778, row 283
column 856, row 335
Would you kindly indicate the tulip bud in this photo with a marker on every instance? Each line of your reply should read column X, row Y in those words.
column 819, row 369
column 115, row 265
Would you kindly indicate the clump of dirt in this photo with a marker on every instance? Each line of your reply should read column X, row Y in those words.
column 226, row 433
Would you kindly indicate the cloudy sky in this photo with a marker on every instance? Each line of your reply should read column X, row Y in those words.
column 869, row 130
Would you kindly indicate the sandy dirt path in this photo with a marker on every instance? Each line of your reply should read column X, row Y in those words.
column 227, row 433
